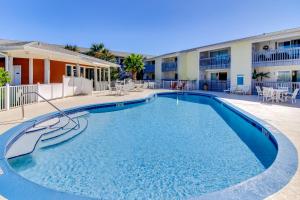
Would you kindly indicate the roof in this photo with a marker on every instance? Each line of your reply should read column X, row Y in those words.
column 115, row 53
column 250, row 38
column 7, row 45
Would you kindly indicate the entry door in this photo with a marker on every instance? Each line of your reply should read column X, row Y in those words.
column 17, row 74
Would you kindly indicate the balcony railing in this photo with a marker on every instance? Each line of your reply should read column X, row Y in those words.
column 220, row 62
column 276, row 57
column 169, row 66
column 214, row 85
column 149, row 68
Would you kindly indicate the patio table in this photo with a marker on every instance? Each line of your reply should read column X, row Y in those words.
column 280, row 95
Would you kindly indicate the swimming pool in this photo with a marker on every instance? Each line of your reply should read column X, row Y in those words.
column 175, row 146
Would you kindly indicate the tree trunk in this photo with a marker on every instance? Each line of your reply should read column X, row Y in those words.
column 134, row 74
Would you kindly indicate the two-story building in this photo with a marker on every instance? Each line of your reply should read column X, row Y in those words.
column 232, row 63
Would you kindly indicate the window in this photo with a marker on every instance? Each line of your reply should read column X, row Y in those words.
column 220, row 53
column 296, row 43
column 69, row 70
column 240, row 80
column 284, row 76
column 223, row 76
column 81, row 71
column 214, row 76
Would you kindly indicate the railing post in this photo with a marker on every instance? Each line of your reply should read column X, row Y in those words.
column 63, row 87
column 7, row 96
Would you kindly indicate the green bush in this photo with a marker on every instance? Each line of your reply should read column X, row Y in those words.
column 4, row 77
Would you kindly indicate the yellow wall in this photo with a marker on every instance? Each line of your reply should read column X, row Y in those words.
column 188, row 65
column 241, row 56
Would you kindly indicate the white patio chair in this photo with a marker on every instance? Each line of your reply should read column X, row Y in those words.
column 232, row 89
column 146, row 85
column 259, row 91
column 245, row 89
column 293, row 97
column 268, row 94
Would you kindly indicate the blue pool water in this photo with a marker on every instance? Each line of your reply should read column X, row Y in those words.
column 174, row 147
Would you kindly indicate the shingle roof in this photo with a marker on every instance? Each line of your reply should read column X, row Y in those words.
column 13, row 44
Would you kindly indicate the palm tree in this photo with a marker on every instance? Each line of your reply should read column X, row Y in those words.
column 105, row 54
column 134, row 64
column 260, row 75
column 95, row 48
column 72, row 47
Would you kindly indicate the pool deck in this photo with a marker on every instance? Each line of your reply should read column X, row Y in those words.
column 284, row 117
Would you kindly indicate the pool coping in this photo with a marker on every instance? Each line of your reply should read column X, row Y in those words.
column 258, row 187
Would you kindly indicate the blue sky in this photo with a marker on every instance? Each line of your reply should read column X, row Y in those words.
column 144, row 26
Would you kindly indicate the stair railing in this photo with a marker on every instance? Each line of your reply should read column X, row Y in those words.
column 59, row 110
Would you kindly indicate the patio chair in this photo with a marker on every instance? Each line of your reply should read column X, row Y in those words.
column 146, row 85
column 232, row 89
column 259, row 91
column 245, row 89
column 268, row 94
column 181, row 86
column 293, row 96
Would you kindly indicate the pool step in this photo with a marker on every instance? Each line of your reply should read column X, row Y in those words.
column 26, row 143
column 56, row 123
column 44, row 125
column 63, row 135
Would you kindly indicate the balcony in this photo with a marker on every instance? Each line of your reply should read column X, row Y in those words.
column 149, row 68
column 276, row 57
column 169, row 66
column 220, row 62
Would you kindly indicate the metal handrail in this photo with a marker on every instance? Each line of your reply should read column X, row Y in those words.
column 59, row 110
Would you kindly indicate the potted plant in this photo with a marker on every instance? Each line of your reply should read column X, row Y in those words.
column 205, row 86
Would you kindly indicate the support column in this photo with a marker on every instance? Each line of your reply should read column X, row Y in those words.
column 95, row 77
column 11, row 67
column 100, row 74
column 84, row 75
column 108, row 76
column 78, row 70
column 47, row 71
column 104, row 72
column 6, row 63
column 30, row 70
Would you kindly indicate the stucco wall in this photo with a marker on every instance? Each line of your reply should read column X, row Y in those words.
column 24, row 69
column 38, row 71
column 158, row 62
column 241, row 55
column 188, row 66
column 57, row 70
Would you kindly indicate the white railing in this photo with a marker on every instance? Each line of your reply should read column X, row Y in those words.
column 50, row 91
column 15, row 94
column 180, row 84
column 101, row 86
column 76, row 85
column 2, row 98
column 11, row 96
column 290, row 85
column 275, row 57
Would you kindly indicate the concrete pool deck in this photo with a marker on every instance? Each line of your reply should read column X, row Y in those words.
column 284, row 117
